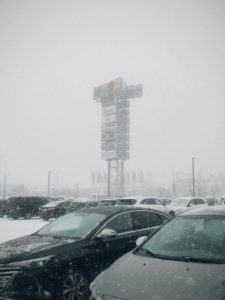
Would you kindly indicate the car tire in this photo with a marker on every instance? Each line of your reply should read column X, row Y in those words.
column 73, row 285
column 27, row 215
column 171, row 213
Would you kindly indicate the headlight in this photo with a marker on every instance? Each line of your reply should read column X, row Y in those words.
column 33, row 263
column 94, row 292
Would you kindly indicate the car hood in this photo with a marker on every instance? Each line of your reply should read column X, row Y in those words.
column 30, row 246
column 136, row 277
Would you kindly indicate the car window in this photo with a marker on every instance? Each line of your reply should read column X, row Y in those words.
column 199, row 201
column 126, row 201
column 146, row 219
column 191, row 202
column 92, row 204
column 120, row 223
column 149, row 201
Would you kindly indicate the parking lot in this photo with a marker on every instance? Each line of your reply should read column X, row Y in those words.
column 11, row 228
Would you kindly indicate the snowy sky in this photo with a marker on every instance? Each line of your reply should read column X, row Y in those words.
column 54, row 52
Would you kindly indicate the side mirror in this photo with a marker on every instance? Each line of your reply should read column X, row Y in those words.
column 140, row 240
column 107, row 233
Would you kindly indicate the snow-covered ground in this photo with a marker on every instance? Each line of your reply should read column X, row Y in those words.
column 10, row 228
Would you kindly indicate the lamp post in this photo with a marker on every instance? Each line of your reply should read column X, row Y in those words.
column 4, row 187
column 49, row 181
column 193, row 176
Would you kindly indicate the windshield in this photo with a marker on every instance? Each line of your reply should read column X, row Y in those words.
column 73, row 225
column 179, row 202
column 197, row 237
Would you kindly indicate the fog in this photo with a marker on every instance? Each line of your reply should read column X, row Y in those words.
column 52, row 55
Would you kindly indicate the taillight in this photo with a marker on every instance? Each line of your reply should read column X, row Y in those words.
column 52, row 208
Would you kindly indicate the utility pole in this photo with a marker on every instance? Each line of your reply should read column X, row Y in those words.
column 193, row 176
column 49, row 181
column 4, row 188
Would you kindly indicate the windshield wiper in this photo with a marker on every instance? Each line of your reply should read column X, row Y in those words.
column 145, row 252
column 202, row 260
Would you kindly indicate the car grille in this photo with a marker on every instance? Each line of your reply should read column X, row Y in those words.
column 6, row 273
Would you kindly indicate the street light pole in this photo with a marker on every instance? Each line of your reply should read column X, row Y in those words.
column 4, row 188
column 193, row 176
column 49, row 181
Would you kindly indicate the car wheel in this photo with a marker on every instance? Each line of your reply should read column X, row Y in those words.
column 27, row 215
column 45, row 218
column 171, row 213
column 74, row 286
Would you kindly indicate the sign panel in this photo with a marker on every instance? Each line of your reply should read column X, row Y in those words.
column 108, row 127
column 134, row 91
column 109, row 109
column 106, row 155
column 111, row 118
column 113, row 87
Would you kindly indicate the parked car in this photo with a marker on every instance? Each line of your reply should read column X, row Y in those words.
column 24, row 207
column 81, row 203
column 3, row 203
column 184, row 260
column 166, row 201
column 60, row 260
column 211, row 200
column 221, row 200
column 182, row 203
column 139, row 201
column 54, row 209
column 107, row 202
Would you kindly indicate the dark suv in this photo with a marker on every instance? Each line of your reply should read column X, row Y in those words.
column 61, row 259
column 3, row 207
column 24, row 207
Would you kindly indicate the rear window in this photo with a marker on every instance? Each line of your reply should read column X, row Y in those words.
column 126, row 201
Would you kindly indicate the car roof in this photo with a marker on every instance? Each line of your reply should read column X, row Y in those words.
column 205, row 210
column 139, row 197
column 190, row 197
column 111, row 210
column 54, row 203
column 83, row 200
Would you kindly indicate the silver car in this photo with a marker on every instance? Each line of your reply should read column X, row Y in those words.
column 183, row 260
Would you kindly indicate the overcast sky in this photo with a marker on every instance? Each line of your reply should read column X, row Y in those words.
column 53, row 53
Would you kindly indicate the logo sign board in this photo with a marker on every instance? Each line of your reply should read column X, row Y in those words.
column 111, row 88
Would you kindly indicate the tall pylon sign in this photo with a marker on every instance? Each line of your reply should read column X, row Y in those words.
column 114, row 97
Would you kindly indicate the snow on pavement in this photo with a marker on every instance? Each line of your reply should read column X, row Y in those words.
column 10, row 228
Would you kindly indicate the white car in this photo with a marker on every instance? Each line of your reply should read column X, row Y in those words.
column 144, row 201
column 221, row 200
column 182, row 203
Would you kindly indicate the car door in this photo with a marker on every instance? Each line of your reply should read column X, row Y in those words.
column 108, row 249
column 129, row 226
